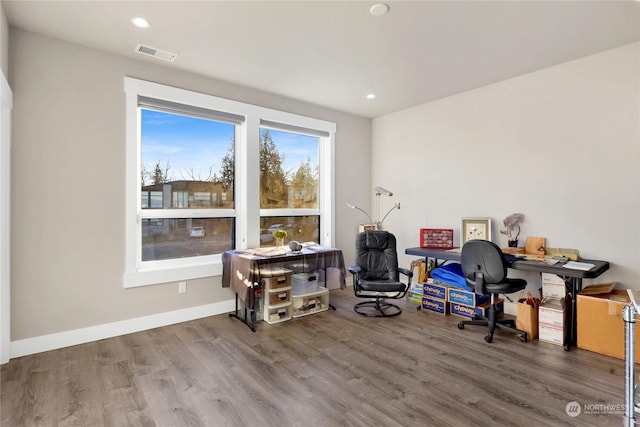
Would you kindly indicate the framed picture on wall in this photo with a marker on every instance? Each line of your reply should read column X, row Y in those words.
column 475, row 228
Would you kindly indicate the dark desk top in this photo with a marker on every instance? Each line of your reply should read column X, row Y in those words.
column 524, row 265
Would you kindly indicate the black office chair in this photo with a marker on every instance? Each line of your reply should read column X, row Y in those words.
column 377, row 275
column 485, row 270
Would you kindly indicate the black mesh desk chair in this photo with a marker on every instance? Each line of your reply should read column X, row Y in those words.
column 485, row 270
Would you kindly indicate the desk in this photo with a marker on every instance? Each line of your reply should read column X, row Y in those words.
column 243, row 271
column 572, row 278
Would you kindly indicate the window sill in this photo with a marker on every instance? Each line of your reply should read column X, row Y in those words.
column 157, row 276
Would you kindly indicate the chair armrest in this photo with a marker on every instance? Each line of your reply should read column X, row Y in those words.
column 354, row 269
column 405, row 271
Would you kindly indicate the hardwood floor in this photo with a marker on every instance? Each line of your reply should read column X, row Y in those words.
column 334, row 368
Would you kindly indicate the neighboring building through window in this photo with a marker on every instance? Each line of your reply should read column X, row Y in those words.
column 184, row 153
column 192, row 189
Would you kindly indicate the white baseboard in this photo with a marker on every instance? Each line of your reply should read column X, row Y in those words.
column 93, row 333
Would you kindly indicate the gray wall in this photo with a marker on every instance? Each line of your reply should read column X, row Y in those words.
column 68, row 183
column 561, row 145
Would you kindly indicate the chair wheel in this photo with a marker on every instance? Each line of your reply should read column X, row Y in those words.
column 460, row 325
column 523, row 338
column 488, row 338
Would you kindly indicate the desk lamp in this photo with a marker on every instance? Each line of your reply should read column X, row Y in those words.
column 379, row 191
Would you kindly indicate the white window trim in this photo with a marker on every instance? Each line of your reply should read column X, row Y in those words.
column 6, row 105
column 247, row 205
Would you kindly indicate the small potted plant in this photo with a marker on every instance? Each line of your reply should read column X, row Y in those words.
column 280, row 235
column 512, row 228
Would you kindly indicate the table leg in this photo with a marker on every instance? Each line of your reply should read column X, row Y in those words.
column 574, row 286
column 325, row 285
column 243, row 320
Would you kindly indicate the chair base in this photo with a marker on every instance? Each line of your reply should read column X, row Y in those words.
column 505, row 325
column 377, row 308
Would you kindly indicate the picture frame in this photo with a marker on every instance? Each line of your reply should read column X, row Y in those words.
column 475, row 228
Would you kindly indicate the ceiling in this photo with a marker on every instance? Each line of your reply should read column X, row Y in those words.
column 334, row 53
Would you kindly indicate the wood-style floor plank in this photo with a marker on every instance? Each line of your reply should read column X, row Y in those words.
column 334, row 368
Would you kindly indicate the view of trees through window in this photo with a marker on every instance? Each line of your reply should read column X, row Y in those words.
column 288, row 184
column 189, row 163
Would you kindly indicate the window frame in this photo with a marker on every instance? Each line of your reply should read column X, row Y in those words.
column 247, row 210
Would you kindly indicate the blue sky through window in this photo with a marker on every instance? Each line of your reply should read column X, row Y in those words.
column 296, row 149
column 194, row 144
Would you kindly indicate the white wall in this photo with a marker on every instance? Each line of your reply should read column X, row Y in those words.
column 561, row 145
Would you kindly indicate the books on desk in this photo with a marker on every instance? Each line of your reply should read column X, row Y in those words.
column 575, row 265
column 312, row 246
column 269, row 252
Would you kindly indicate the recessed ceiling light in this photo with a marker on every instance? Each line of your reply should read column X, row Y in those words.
column 140, row 22
column 379, row 9
column 371, row 96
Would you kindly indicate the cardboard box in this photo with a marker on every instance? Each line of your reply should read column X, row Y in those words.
column 600, row 326
column 465, row 311
column 553, row 312
column 435, row 305
column 553, row 286
column 535, row 245
column 433, row 290
column 527, row 319
column 468, row 298
column 553, row 290
column 552, row 334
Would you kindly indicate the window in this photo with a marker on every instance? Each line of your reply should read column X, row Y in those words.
column 206, row 174
column 183, row 159
column 304, row 228
column 289, row 184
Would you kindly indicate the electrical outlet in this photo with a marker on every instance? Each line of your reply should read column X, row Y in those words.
column 182, row 287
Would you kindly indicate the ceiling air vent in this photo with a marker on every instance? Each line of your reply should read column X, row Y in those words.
column 156, row 53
